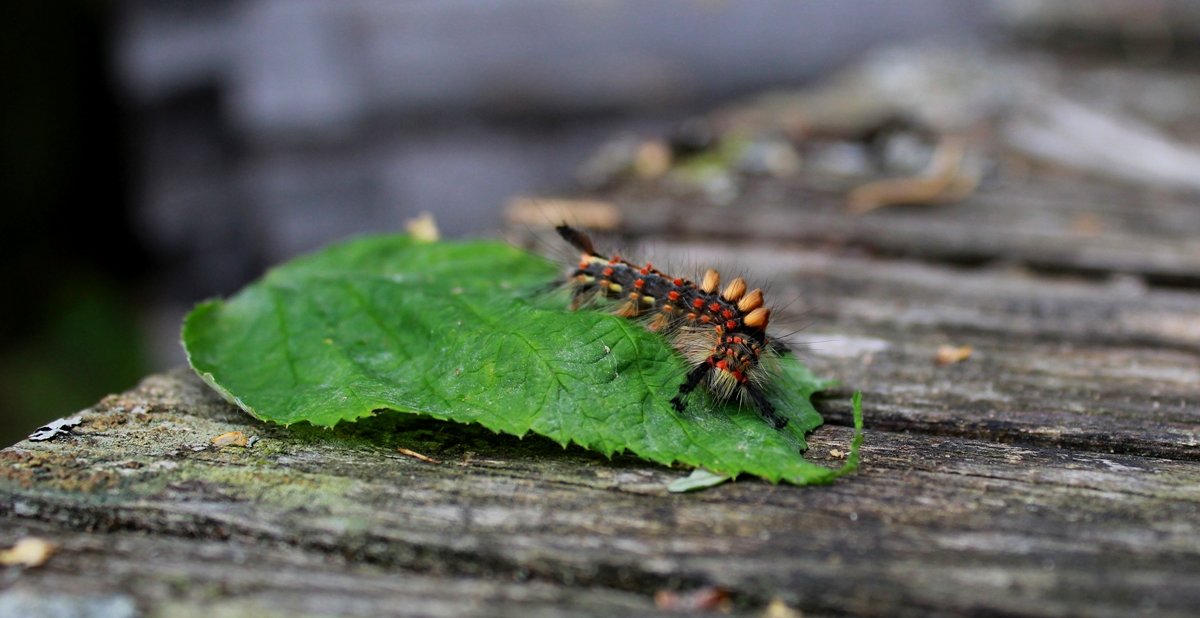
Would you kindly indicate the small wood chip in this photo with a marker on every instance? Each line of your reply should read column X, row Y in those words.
column 416, row 455
column 837, row 453
column 948, row 354
column 653, row 159
column 778, row 609
column 423, row 228
column 230, row 438
column 28, row 552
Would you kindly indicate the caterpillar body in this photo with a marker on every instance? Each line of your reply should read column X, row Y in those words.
column 721, row 333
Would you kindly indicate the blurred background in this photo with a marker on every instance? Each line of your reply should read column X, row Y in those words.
column 157, row 153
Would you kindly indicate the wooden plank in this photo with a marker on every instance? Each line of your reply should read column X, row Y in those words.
column 1061, row 224
column 146, row 511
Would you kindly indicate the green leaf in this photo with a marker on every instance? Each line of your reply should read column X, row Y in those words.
column 468, row 332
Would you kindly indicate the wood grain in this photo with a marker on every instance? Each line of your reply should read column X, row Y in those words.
column 309, row 521
column 1055, row 471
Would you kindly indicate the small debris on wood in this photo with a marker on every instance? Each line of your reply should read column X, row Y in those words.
column 949, row 178
column 231, row 438
column 707, row 599
column 948, row 354
column 423, row 228
column 595, row 215
column 837, row 453
column 61, row 427
column 415, row 455
column 652, row 160
column 778, row 609
column 28, row 552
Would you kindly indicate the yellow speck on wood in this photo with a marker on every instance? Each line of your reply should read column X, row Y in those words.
column 230, row 438
column 778, row 609
column 948, row 354
column 28, row 552
column 423, row 228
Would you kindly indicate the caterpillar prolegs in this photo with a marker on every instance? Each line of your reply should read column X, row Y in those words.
column 723, row 335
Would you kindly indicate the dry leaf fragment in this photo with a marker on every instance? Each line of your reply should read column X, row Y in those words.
column 947, row 179
column 28, row 552
column 230, row 438
column 948, row 354
column 416, row 455
column 837, row 453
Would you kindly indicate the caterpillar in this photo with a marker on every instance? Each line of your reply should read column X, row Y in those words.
column 722, row 335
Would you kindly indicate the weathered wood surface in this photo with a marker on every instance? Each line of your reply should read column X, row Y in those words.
column 312, row 521
column 1055, row 472
column 1046, row 221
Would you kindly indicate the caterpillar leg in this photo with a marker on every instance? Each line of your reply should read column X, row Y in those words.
column 694, row 378
column 757, row 397
column 583, row 296
column 764, row 407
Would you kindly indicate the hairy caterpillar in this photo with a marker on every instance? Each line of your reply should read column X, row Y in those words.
column 723, row 335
